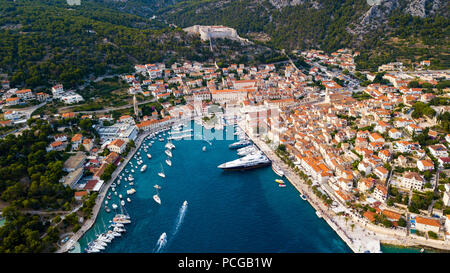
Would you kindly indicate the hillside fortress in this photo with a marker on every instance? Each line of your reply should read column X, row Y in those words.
column 208, row 32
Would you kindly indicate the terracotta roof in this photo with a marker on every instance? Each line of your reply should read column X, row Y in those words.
column 428, row 221
column 391, row 214
column 369, row 215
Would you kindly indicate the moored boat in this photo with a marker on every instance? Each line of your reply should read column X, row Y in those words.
column 251, row 161
column 277, row 170
column 240, row 144
column 157, row 199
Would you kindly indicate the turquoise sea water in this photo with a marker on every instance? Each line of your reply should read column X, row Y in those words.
column 243, row 211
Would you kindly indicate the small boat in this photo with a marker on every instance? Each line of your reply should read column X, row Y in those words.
column 128, row 200
column 162, row 238
column 109, row 196
column 115, row 193
column 161, row 173
column 133, row 170
column 277, row 170
column 281, row 185
column 122, row 203
column 319, row 214
column 157, row 199
column 168, row 162
column 106, row 202
column 120, row 196
column 144, row 167
column 157, row 187
column 168, row 153
column 279, row 181
column 107, row 209
column 114, row 206
column 131, row 191
column 204, row 148
column 303, row 196
column 149, row 156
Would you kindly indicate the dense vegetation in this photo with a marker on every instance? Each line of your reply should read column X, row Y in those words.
column 29, row 176
column 46, row 41
column 408, row 38
column 326, row 24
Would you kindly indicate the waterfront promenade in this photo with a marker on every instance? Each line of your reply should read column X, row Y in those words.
column 99, row 200
column 359, row 234
column 358, row 240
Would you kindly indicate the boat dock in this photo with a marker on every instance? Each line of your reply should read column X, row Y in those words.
column 102, row 194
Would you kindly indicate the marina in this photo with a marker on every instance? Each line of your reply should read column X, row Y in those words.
column 187, row 201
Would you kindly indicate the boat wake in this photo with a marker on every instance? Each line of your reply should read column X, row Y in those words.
column 162, row 241
column 180, row 218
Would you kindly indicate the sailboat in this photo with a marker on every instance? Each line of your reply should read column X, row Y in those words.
column 204, row 148
column 168, row 162
column 161, row 173
column 156, row 197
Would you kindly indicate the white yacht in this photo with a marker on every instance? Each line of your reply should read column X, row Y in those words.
column 157, row 199
column 277, row 170
column 149, row 156
column 168, row 162
column 240, row 144
column 250, row 161
column 144, row 167
column 319, row 214
column 161, row 173
column 247, row 150
column 118, row 229
column 128, row 200
column 168, row 153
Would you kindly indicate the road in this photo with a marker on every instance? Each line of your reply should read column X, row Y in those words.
column 110, row 108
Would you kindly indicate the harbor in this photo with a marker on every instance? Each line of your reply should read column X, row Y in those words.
column 70, row 244
column 357, row 238
column 245, row 207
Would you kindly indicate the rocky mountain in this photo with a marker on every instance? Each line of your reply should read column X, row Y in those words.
column 382, row 27
column 378, row 14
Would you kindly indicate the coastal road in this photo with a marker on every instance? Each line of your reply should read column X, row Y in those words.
column 110, row 109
